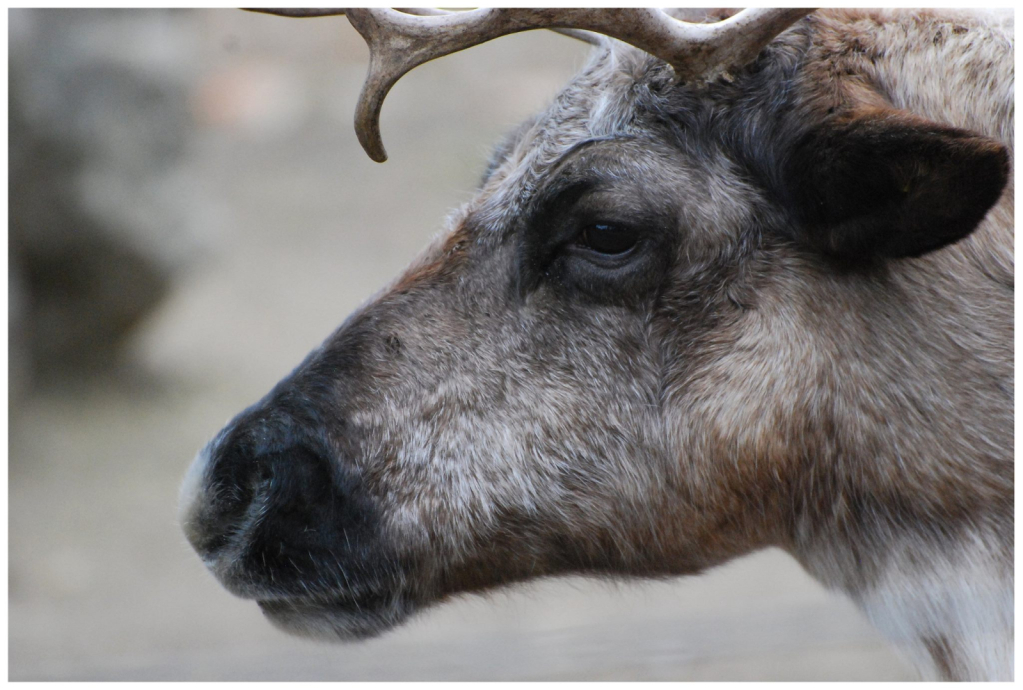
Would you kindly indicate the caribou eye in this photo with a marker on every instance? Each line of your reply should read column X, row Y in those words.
column 607, row 239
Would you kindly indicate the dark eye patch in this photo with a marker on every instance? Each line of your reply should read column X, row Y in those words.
column 598, row 241
column 598, row 227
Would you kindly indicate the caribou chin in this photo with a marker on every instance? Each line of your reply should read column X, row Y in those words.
column 342, row 617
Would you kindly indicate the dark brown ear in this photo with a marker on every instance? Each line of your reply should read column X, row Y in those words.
column 888, row 184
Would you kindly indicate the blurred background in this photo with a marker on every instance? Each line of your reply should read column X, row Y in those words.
column 190, row 214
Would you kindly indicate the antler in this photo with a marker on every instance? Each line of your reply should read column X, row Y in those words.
column 399, row 42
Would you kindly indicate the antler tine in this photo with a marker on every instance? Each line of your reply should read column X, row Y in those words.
column 399, row 42
column 710, row 49
column 305, row 13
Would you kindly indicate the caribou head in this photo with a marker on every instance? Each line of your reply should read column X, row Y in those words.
column 681, row 320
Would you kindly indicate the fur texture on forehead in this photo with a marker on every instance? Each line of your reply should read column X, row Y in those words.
column 602, row 102
column 626, row 94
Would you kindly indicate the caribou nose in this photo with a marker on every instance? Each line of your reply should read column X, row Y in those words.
column 250, row 469
column 191, row 499
column 217, row 495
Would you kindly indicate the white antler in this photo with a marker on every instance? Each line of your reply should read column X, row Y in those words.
column 400, row 41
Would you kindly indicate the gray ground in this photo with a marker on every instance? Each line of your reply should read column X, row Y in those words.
column 102, row 583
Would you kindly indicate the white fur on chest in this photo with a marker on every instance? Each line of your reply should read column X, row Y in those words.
column 961, row 604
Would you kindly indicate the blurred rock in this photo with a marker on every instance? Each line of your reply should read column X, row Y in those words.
column 101, row 213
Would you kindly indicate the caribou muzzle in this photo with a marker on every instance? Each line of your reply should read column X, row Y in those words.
column 278, row 516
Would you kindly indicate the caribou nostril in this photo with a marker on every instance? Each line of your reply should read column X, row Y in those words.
column 219, row 489
column 242, row 483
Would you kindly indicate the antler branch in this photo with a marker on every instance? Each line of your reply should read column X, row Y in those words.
column 399, row 42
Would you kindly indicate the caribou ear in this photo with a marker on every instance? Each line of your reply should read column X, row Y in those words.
column 889, row 184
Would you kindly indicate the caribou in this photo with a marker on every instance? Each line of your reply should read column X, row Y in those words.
column 746, row 282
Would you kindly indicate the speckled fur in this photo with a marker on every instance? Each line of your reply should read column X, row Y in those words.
column 502, row 423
